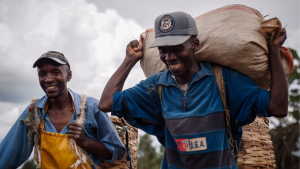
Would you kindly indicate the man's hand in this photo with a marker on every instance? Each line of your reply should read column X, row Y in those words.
column 279, row 41
column 76, row 132
column 132, row 54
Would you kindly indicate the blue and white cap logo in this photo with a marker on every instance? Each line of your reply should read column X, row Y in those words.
column 166, row 23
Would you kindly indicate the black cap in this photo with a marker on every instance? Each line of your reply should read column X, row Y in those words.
column 56, row 56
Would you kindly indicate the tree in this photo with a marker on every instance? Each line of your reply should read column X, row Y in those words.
column 29, row 165
column 147, row 156
column 294, row 90
column 285, row 136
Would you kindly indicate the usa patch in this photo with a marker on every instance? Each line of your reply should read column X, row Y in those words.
column 166, row 23
column 194, row 144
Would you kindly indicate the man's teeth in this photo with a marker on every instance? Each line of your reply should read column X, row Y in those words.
column 175, row 66
column 51, row 87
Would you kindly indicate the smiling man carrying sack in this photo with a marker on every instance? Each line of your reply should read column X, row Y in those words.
column 67, row 130
column 197, row 133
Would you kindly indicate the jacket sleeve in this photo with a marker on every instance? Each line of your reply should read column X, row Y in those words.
column 244, row 98
column 16, row 148
column 140, row 106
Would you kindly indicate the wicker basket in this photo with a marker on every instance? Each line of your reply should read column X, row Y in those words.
column 256, row 149
column 132, row 144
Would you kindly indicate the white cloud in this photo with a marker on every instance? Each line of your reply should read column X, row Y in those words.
column 93, row 42
column 293, row 39
column 8, row 116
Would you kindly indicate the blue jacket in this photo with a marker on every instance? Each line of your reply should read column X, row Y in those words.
column 15, row 148
column 195, row 137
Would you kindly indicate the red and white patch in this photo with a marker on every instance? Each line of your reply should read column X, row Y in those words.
column 194, row 144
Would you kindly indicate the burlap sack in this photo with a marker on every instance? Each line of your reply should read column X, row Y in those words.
column 234, row 36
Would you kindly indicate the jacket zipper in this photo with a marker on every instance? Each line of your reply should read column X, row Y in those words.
column 184, row 101
column 184, row 94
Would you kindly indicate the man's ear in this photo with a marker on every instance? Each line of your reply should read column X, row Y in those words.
column 69, row 76
column 196, row 45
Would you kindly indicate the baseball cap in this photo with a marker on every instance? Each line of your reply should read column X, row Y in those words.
column 56, row 56
column 173, row 29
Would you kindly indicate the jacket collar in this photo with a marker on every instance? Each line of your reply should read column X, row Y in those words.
column 41, row 103
column 206, row 69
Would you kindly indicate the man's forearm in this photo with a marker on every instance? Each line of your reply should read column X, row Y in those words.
column 278, row 104
column 115, row 83
column 97, row 148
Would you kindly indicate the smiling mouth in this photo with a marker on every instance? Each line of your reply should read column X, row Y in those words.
column 51, row 87
column 175, row 66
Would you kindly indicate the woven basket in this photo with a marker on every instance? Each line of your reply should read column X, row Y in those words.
column 132, row 144
column 256, row 149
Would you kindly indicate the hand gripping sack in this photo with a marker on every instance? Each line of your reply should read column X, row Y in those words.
column 233, row 36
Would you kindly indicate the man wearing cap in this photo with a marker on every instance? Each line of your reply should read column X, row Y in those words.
column 55, row 118
column 186, row 113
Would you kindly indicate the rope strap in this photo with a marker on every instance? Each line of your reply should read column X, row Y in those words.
column 159, row 86
column 221, row 85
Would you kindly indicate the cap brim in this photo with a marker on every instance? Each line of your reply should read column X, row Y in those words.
column 37, row 62
column 169, row 40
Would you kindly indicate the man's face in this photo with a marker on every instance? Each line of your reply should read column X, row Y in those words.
column 179, row 59
column 53, row 78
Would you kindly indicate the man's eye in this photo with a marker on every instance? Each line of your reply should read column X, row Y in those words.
column 162, row 51
column 177, row 50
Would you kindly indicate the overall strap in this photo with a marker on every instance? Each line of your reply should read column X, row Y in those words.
column 221, row 85
column 80, row 153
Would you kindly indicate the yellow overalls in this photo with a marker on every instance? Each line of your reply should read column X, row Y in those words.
column 55, row 152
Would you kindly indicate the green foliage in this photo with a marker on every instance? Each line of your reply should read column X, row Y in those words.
column 285, row 145
column 285, row 136
column 294, row 83
column 295, row 73
column 147, row 156
column 29, row 165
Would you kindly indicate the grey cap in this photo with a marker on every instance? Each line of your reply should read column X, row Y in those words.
column 173, row 29
column 56, row 56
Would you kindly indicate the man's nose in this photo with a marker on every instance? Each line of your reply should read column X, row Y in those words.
column 170, row 56
column 49, row 78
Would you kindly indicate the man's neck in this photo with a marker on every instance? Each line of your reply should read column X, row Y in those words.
column 62, row 102
column 186, row 78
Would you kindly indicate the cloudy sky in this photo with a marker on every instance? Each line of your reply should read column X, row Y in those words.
column 93, row 35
